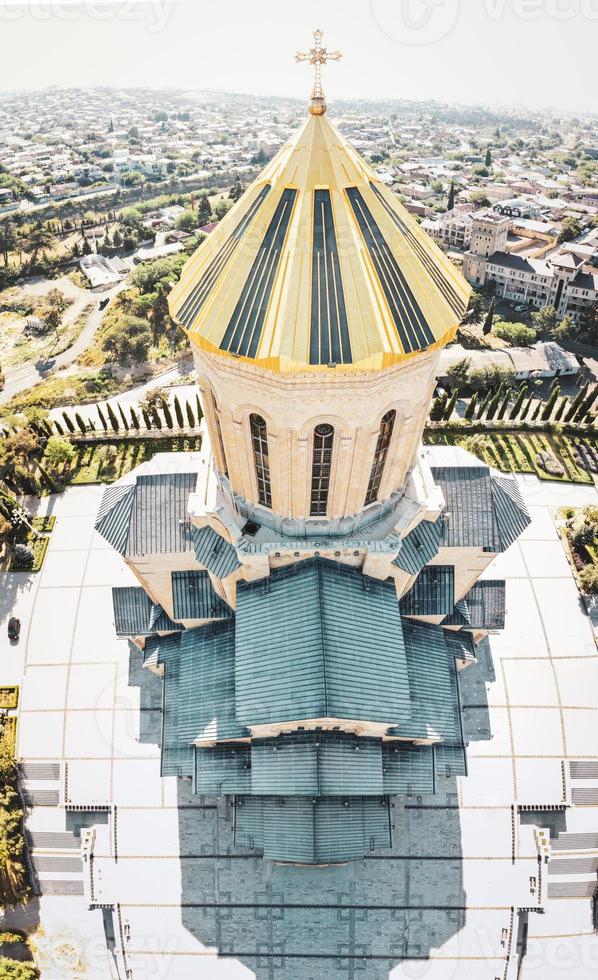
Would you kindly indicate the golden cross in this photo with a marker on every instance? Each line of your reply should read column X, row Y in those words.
column 318, row 56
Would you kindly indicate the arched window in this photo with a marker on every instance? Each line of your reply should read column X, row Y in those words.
column 259, row 440
column 320, row 469
column 384, row 437
column 216, row 412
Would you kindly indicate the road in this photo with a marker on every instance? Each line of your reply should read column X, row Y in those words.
column 27, row 375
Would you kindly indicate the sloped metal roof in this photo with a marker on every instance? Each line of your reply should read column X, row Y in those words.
column 316, row 764
column 483, row 510
column 432, row 593
column 486, row 604
column 136, row 615
column 212, row 551
column 319, row 831
column 194, row 597
column 159, row 521
column 319, row 640
column 199, row 693
column 407, row 769
column 435, row 708
column 419, row 547
column 114, row 515
column 223, row 769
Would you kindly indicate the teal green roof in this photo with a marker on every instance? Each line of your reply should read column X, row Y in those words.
column 432, row 593
column 114, row 515
column 420, row 546
column 482, row 510
column 194, row 597
column 435, row 709
column 136, row 615
column 482, row 608
column 213, row 552
column 316, row 764
column 149, row 516
column 199, row 694
column 407, row 769
column 321, row 831
column 319, row 640
column 223, row 769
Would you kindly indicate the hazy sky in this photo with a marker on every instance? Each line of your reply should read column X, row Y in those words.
column 533, row 53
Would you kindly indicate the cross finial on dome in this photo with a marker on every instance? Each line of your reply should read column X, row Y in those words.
column 318, row 56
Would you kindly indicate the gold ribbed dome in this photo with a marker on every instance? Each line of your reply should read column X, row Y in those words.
column 319, row 265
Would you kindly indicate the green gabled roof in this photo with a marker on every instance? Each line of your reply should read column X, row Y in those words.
column 316, row 764
column 159, row 520
column 459, row 616
column 485, row 604
column 321, row 831
column 136, row 615
column 483, row 510
column 460, row 643
column 432, row 593
column 511, row 512
column 433, row 683
column 114, row 515
column 419, row 547
column 194, row 597
column 319, row 640
column 213, row 552
column 199, row 693
column 223, row 769
column 408, row 770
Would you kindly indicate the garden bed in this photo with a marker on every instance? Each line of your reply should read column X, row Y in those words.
column 38, row 540
column 518, row 451
column 9, row 696
column 107, row 461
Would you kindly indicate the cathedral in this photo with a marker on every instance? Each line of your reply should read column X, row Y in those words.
column 310, row 584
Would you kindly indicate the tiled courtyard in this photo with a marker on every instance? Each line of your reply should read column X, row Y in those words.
column 170, row 888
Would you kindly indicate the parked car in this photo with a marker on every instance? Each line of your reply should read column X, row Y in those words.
column 522, row 308
column 14, row 628
column 103, row 303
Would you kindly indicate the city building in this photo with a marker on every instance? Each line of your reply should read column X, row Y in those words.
column 453, row 229
column 517, row 207
column 309, row 590
column 565, row 277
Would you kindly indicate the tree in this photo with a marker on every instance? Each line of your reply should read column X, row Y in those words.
column 237, row 190
column 113, row 419
column 516, row 408
column 123, row 417
column 450, row 405
column 488, row 160
column 458, row 373
column 478, row 445
column 204, row 211
column 68, row 422
column 576, row 403
column 588, row 579
column 102, row 419
column 549, row 406
column 450, row 204
column 167, row 414
column 23, row 556
column 8, row 240
column 59, row 452
column 438, row 408
column 515, row 333
column 178, row 412
column 39, row 240
column 545, row 320
column 471, row 407
column 128, row 340
column 570, row 229
column 80, row 423
column 504, row 404
column 489, row 321
column 190, row 416
column 187, row 221
column 134, row 419
column 146, row 418
column 198, row 408
column 16, row 969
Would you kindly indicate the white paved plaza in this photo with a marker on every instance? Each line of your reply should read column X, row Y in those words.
column 89, row 732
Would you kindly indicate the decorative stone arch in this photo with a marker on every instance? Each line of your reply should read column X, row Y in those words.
column 388, row 479
column 213, row 415
column 245, row 452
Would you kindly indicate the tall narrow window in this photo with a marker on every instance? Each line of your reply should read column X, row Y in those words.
column 216, row 412
column 259, row 439
column 320, row 469
column 384, row 437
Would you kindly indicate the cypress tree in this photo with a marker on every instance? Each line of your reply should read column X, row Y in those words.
column 537, row 411
column 488, row 160
column 80, row 423
column 451, row 198
column 178, row 412
column 495, row 402
column 549, row 406
column 146, row 418
column 167, row 414
column 190, row 416
column 198, row 408
column 68, row 422
column 581, row 394
column 586, row 405
column 450, row 407
column 469, row 411
column 526, row 408
column 505, row 403
column 123, row 417
column 489, row 321
column 484, row 404
column 517, row 404
column 102, row 419
column 58, row 427
column 155, row 417
column 559, row 412
column 438, row 408
column 134, row 419
column 112, row 417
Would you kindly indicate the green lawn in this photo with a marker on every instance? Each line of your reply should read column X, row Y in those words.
column 515, row 452
column 104, row 462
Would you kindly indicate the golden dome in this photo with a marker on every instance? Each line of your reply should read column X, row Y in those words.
column 318, row 265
